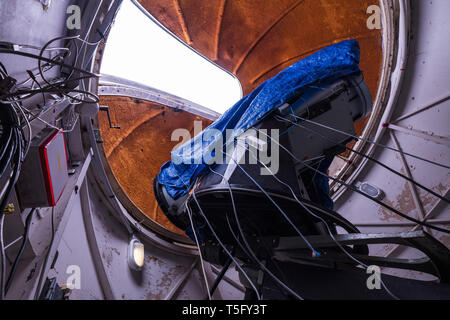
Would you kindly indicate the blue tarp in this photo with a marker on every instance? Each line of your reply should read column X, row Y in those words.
column 327, row 65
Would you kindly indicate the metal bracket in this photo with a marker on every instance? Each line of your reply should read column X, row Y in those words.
column 106, row 108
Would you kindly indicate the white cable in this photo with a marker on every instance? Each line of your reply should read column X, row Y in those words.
column 217, row 238
column 30, row 131
column 281, row 283
column 370, row 141
column 52, row 126
column 199, row 250
column 326, row 224
column 275, row 204
column 223, row 246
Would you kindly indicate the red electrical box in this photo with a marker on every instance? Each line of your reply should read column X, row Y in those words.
column 44, row 171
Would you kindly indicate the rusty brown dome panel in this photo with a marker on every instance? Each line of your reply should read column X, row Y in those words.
column 136, row 151
column 253, row 39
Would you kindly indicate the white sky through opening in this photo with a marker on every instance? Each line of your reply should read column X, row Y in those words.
column 139, row 50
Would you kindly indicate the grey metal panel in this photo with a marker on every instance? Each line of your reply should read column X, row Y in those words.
column 27, row 22
column 423, row 105
column 74, row 250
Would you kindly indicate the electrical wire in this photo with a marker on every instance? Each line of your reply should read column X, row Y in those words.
column 236, row 238
column 77, row 37
column 261, row 265
column 325, row 223
column 46, row 67
column 51, row 125
column 3, row 257
column 22, row 247
column 199, row 251
column 276, row 205
column 28, row 46
column 223, row 246
column 54, row 89
column 30, row 131
column 358, row 191
column 47, row 255
column 218, row 279
column 372, row 142
column 61, row 64
column 4, row 202
column 191, row 186
column 5, row 143
column 14, row 138
column 369, row 158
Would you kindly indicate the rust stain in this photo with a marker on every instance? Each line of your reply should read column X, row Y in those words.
column 165, row 279
column 155, row 296
column 155, row 260
column 404, row 203
column 387, row 215
column 441, row 188
column 107, row 256
column 405, row 200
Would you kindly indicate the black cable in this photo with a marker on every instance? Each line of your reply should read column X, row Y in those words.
column 73, row 38
column 236, row 238
column 3, row 68
column 76, row 58
column 54, row 89
column 22, row 247
column 219, row 278
column 371, row 159
column 261, row 265
column 3, row 257
column 5, row 141
column 278, row 207
column 373, row 142
column 360, row 192
column 7, row 160
column 3, row 204
column 61, row 64
column 328, row 228
column 222, row 245
column 38, row 84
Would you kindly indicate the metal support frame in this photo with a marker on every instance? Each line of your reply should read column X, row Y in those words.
column 181, row 280
column 427, row 216
column 436, row 262
column 421, row 134
column 428, row 106
column 415, row 194
column 441, row 140
column 63, row 219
